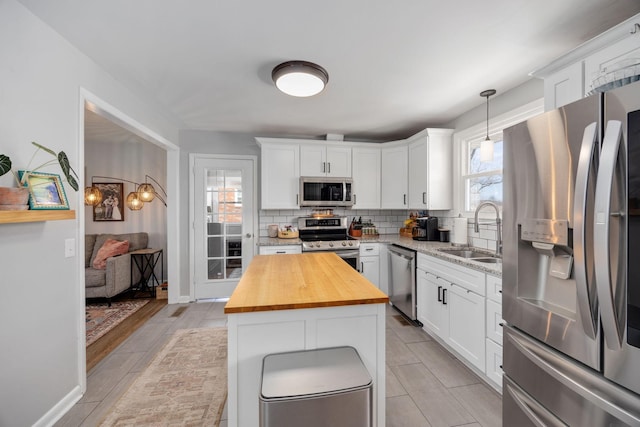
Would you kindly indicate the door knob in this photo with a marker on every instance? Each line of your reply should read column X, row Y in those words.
column 248, row 235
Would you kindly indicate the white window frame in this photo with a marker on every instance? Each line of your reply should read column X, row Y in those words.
column 464, row 159
column 478, row 132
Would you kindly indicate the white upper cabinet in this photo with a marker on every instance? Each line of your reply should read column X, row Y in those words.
column 325, row 160
column 571, row 77
column 394, row 182
column 431, row 170
column 563, row 87
column 280, row 177
column 366, row 178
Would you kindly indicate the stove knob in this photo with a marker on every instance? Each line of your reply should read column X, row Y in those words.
column 344, row 243
column 350, row 243
column 330, row 245
column 317, row 245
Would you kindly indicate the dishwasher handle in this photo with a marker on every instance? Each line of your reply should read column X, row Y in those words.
column 404, row 253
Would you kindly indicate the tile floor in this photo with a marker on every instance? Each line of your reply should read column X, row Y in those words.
column 426, row 385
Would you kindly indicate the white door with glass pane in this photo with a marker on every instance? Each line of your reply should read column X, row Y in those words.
column 223, row 223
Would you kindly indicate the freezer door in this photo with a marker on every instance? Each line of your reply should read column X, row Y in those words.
column 543, row 387
column 550, row 163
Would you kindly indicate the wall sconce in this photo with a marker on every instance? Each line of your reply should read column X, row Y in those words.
column 486, row 146
column 144, row 192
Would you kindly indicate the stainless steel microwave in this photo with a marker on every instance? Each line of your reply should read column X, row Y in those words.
column 315, row 191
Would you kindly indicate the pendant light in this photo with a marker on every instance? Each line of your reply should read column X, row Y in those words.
column 486, row 146
column 300, row 78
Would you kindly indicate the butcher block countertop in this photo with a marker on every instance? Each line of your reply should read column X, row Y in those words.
column 308, row 280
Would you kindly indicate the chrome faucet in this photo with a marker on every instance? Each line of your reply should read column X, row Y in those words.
column 498, row 233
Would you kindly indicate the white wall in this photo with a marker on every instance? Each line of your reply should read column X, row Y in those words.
column 130, row 161
column 41, row 319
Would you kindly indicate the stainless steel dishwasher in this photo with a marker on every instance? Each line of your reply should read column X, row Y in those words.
column 402, row 281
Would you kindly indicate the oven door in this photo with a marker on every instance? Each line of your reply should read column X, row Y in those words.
column 351, row 257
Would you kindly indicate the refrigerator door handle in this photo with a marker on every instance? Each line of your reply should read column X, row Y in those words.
column 609, row 397
column 535, row 412
column 586, row 299
column 601, row 252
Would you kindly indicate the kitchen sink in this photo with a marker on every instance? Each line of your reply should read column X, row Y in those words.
column 465, row 253
column 488, row 260
column 472, row 255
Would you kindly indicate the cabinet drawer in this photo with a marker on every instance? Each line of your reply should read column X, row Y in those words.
column 494, row 288
column 468, row 278
column 369, row 249
column 494, row 321
column 494, row 363
column 278, row 250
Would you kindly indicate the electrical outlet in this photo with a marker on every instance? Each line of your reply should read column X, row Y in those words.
column 69, row 248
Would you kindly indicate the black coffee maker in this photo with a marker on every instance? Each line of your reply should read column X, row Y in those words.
column 427, row 229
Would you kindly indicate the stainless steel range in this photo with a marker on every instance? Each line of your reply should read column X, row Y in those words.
column 329, row 233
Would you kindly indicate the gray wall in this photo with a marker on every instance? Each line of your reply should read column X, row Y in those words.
column 42, row 365
column 204, row 142
column 500, row 103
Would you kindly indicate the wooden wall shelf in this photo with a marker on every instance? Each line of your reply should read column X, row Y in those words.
column 9, row 217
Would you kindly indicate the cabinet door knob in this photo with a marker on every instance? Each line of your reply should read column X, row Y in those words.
column 424, row 195
column 444, row 294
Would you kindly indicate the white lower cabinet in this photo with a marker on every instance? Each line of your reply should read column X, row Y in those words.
column 432, row 308
column 494, row 363
column 450, row 310
column 370, row 262
column 495, row 328
column 280, row 249
column 453, row 307
column 466, row 324
column 494, row 321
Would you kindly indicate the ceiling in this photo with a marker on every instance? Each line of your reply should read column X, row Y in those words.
column 395, row 68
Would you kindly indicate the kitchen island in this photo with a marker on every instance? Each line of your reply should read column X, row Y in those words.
column 301, row 302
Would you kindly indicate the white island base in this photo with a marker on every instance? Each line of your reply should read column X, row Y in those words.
column 253, row 335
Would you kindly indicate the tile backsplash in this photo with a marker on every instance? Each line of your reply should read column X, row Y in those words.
column 386, row 221
column 484, row 239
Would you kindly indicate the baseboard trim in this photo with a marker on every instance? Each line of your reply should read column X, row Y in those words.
column 60, row 409
column 182, row 300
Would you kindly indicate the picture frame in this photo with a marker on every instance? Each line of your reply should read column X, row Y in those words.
column 112, row 206
column 46, row 191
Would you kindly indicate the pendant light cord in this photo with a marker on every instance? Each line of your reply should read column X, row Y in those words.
column 487, row 93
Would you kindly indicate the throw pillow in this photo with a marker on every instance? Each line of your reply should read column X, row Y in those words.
column 110, row 248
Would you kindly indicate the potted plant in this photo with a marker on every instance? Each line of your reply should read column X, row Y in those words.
column 17, row 198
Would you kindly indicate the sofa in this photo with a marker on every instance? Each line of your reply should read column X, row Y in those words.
column 117, row 276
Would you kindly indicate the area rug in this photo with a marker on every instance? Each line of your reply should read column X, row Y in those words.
column 185, row 384
column 101, row 318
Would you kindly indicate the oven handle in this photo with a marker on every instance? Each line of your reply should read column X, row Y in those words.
column 347, row 254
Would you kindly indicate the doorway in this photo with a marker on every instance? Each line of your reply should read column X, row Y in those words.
column 92, row 107
column 224, row 222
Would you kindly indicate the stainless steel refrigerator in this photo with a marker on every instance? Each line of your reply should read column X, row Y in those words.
column 571, row 266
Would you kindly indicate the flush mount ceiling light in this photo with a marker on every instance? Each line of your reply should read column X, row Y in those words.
column 486, row 146
column 300, row 78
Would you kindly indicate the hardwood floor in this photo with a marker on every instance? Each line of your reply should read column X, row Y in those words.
column 426, row 385
column 112, row 339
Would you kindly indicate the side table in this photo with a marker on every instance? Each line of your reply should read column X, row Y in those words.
column 144, row 261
